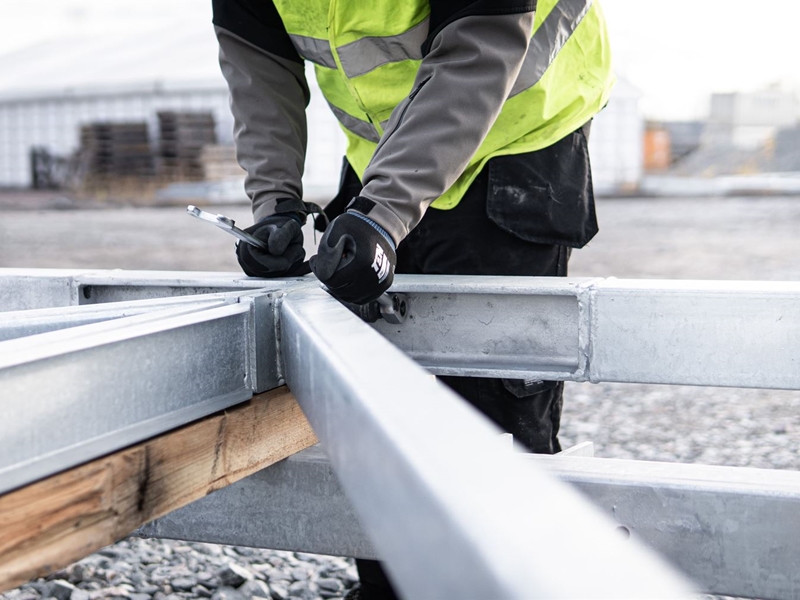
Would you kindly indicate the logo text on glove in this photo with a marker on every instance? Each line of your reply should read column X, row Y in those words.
column 380, row 264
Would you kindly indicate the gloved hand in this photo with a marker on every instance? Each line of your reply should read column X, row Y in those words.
column 284, row 238
column 355, row 259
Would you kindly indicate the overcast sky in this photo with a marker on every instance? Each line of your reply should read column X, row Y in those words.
column 676, row 52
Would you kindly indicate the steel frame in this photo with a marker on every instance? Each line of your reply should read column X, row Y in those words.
column 121, row 356
column 732, row 530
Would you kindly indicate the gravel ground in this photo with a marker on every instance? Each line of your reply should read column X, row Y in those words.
column 742, row 238
column 136, row 569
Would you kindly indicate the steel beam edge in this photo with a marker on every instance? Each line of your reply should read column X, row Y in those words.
column 25, row 289
column 22, row 323
column 445, row 504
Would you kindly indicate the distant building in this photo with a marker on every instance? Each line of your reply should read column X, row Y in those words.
column 657, row 148
column 49, row 91
column 684, row 138
column 616, row 143
column 53, row 120
column 786, row 151
column 748, row 120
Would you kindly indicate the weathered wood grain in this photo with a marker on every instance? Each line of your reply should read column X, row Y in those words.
column 54, row 522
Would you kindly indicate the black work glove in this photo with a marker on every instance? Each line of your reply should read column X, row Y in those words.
column 284, row 238
column 355, row 259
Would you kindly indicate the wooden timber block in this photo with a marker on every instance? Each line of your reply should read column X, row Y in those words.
column 49, row 524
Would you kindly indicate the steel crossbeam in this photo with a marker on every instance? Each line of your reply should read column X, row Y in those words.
column 109, row 358
column 23, row 323
column 71, row 395
column 715, row 333
column 447, row 506
column 26, row 289
column 732, row 530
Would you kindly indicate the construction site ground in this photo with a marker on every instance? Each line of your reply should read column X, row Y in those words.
column 663, row 238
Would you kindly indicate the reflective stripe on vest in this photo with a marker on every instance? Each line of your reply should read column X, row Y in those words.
column 364, row 55
column 548, row 40
column 361, row 128
column 316, row 50
column 367, row 55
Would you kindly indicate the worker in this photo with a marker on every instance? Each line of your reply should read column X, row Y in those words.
column 466, row 126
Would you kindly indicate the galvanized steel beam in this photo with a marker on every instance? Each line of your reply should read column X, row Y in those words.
column 517, row 327
column 26, row 289
column 296, row 504
column 732, row 530
column 445, row 503
column 71, row 395
column 725, row 333
column 402, row 445
column 716, row 333
column 23, row 323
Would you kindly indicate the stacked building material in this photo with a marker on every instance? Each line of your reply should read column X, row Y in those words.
column 183, row 135
column 219, row 163
column 115, row 150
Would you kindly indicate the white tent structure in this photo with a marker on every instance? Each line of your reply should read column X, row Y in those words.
column 49, row 90
column 616, row 144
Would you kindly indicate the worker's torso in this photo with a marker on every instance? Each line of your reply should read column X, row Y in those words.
column 366, row 56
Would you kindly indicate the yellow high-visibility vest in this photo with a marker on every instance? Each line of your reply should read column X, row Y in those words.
column 366, row 56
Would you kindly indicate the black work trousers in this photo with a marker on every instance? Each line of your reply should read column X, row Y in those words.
column 465, row 241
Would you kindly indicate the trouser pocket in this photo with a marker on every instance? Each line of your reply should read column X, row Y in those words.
column 530, row 412
column 524, row 388
column 545, row 197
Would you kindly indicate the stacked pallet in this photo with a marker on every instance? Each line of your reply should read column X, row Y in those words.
column 183, row 136
column 219, row 163
column 116, row 150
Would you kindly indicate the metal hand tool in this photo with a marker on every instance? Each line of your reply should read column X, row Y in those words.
column 393, row 308
column 226, row 224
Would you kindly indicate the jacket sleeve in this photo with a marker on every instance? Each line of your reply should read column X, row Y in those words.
column 269, row 95
column 460, row 88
